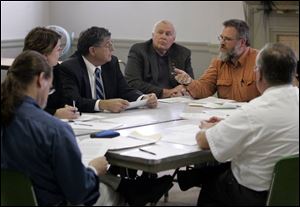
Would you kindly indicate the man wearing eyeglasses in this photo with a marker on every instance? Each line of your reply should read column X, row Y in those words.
column 92, row 77
column 231, row 75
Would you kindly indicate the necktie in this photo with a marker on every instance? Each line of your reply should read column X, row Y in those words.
column 99, row 86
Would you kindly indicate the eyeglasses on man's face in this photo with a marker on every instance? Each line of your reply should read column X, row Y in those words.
column 108, row 45
column 226, row 39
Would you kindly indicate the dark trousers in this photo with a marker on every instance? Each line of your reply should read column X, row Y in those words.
column 219, row 187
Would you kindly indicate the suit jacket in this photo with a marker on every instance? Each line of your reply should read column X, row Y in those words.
column 76, row 84
column 141, row 71
column 55, row 100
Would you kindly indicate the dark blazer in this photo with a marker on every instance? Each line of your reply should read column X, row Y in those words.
column 141, row 71
column 76, row 84
column 55, row 100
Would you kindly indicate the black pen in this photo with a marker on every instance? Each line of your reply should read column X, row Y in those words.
column 143, row 150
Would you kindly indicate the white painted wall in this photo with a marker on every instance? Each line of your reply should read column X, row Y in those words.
column 194, row 21
column 19, row 17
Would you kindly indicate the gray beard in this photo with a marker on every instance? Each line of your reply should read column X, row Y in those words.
column 227, row 56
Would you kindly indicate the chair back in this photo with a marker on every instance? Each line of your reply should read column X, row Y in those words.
column 284, row 189
column 16, row 189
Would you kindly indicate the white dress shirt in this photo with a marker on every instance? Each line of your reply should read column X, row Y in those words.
column 258, row 135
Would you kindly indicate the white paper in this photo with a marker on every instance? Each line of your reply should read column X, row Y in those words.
column 133, row 120
column 91, row 125
column 183, row 99
column 139, row 135
column 160, row 151
column 91, row 149
column 89, row 117
column 213, row 99
column 96, row 147
column 184, row 134
column 136, row 104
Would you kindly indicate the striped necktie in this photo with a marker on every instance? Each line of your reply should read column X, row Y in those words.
column 99, row 87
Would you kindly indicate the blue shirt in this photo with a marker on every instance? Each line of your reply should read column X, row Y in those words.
column 45, row 149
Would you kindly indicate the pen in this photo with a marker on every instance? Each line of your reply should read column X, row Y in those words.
column 74, row 105
column 82, row 124
column 143, row 150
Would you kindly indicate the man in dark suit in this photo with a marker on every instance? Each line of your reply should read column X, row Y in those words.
column 150, row 65
column 82, row 84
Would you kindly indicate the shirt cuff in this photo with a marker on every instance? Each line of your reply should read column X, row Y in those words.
column 93, row 169
column 96, row 107
column 140, row 97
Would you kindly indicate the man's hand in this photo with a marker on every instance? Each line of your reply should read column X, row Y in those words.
column 113, row 105
column 210, row 122
column 68, row 112
column 151, row 100
column 100, row 164
column 182, row 77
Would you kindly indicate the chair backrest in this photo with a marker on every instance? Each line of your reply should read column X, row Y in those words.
column 122, row 66
column 16, row 189
column 284, row 189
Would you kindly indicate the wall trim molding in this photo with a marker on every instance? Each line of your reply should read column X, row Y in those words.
column 125, row 44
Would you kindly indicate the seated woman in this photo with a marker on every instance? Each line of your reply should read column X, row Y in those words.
column 47, row 42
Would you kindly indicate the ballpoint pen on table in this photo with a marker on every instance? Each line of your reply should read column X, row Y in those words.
column 143, row 150
column 76, row 123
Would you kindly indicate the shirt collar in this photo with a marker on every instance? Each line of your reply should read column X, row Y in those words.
column 243, row 58
column 90, row 67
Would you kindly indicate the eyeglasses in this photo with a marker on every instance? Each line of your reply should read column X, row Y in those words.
column 226, row 39
column 51, row 91
column 108, row 45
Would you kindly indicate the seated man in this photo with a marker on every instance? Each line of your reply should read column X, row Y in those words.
column 231, row 75
column 92, row 76
column 254, row 138
column 150, row 65
column 45, row 149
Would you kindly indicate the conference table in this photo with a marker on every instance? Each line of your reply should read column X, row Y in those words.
column 169, row 155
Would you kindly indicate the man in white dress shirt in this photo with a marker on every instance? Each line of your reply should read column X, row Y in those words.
column 255, row 137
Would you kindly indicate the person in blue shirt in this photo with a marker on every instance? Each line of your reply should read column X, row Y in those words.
column 45, row 149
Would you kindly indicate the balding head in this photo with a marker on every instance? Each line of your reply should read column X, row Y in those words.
column 163, row 36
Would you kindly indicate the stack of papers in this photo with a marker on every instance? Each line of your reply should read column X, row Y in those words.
column 182, row 99
column 92, row 148
column 217, row 103
column 80, row 127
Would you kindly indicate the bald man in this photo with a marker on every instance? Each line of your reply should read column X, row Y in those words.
column 150, row 65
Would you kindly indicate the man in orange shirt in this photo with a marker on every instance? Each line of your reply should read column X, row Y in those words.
column 231, row 75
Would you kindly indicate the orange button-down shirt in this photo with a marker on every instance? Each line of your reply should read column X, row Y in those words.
column 236, row 82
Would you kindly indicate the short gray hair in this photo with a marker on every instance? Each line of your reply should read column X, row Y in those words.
column 277, row 62
column 163, row 22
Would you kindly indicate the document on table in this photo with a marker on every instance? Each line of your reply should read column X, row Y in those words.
column 213, row 99
column 157, row 151
column 133, row 120
column 92, row 148
column 136, row 104
column 182, row 99
column 89, row 117
column 206, row 114
column 81, row 128
column 184, row 134
column 217, row 105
